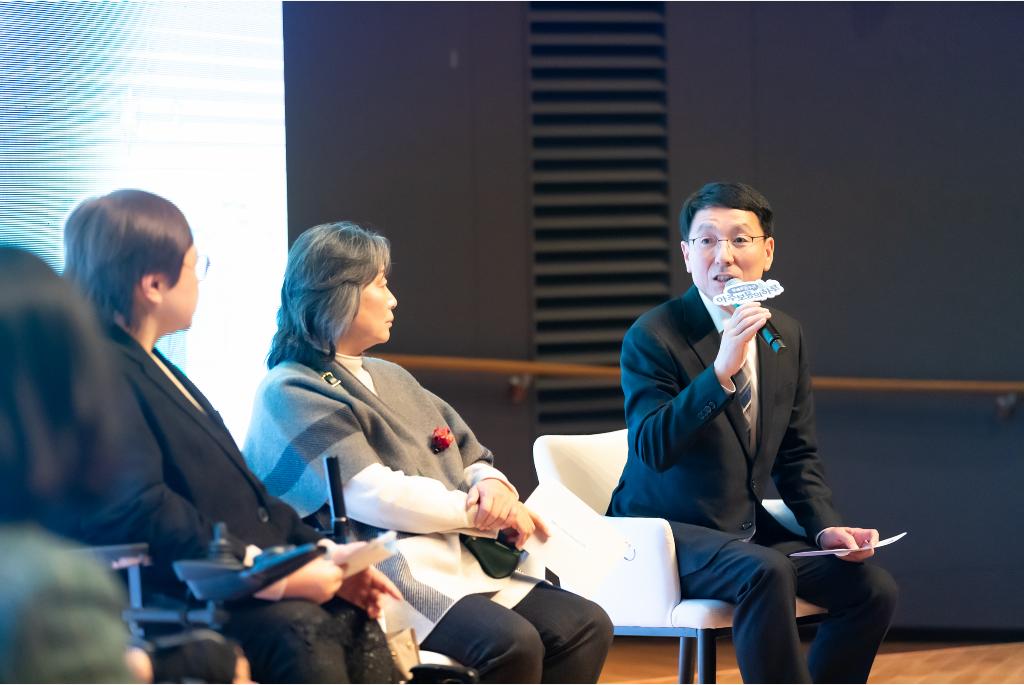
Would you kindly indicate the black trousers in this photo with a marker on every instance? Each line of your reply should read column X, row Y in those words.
column 763, row 583
column 551, row 636
column 297, row 641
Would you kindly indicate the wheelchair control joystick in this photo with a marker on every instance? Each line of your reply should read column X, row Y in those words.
column 220, row 549
column 222, row 577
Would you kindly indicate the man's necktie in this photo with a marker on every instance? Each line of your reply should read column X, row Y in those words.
column 745, row 396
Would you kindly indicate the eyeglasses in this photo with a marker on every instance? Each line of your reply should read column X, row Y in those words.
column 705, row 243
column 202, row 266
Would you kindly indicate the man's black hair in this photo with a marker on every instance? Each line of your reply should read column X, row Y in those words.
column 729, row 196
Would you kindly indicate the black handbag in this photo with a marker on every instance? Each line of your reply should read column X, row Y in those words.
column 497, row 559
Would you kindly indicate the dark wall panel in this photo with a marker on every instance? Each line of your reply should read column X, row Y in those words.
column 411, row 117
column 890, row 137
column 887, row 137
column 949, row 472
column 711, row 102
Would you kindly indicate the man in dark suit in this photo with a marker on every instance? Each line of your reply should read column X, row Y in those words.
column 712, row 414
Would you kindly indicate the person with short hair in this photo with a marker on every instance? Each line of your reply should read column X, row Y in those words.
column 131, row 252
column 713, row 414
column 410, row 463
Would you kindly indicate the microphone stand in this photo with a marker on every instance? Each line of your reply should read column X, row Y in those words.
column 335, row 495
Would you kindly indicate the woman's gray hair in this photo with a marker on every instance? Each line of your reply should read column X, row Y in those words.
column 328, row 267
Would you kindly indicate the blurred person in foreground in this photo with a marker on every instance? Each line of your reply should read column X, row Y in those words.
column 60, row 611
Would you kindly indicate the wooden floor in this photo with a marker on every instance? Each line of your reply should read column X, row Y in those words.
column 653, row 660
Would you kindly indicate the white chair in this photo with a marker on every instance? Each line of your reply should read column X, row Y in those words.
column 642, row 594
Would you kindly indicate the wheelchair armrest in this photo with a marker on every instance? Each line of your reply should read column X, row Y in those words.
column 226, row 580
column 118, row 557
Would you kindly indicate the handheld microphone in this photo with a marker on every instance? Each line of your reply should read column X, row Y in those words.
column 767, row 332
column 339, row 519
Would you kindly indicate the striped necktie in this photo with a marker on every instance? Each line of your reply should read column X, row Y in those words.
column 745, row 396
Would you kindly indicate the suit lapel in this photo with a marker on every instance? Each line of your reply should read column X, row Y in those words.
column 767, row 382
column 700, row 329
column 705, row 340
column 209, row 422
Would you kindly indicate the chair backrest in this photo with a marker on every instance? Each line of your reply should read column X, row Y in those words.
column 589, row 465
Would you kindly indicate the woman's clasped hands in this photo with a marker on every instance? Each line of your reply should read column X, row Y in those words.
column 498, row 508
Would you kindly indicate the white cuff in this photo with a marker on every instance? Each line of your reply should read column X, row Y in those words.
column 273, row 592
column 251, row 552
column 474, row 473
column 389, row 499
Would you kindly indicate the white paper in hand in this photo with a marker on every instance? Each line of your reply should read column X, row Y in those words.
column 583, row 547
column 842, row 552
column 357, row 557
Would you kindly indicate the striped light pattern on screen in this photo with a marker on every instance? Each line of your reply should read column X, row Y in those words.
column 182, row 99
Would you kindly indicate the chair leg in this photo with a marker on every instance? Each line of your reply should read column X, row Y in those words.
column 687, row 655
column 706, row 667
column 135, row 599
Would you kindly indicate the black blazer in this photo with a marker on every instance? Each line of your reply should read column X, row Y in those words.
column 688, row 461
column 181, row 473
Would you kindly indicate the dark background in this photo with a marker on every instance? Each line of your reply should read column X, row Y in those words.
column 887, row 136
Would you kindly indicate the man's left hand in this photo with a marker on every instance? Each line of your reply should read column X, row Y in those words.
column 368, row 591
column 844, row 537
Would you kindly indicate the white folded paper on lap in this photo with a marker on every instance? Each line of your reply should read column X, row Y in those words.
column 841, row 552
column 583, row 545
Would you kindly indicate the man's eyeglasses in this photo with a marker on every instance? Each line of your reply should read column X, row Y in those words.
column 202, row 266
column 705, row 243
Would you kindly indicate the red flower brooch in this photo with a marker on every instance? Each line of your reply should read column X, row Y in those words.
column 441, row 439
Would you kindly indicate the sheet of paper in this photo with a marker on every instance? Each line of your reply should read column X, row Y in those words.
column 583, row 547
column 356, row 557
column 844, row 552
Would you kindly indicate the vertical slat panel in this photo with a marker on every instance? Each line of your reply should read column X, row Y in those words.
column 601, row 219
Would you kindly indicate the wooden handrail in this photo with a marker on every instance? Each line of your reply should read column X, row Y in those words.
column 916, row 385
column 500, row 366
column 522, row 367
